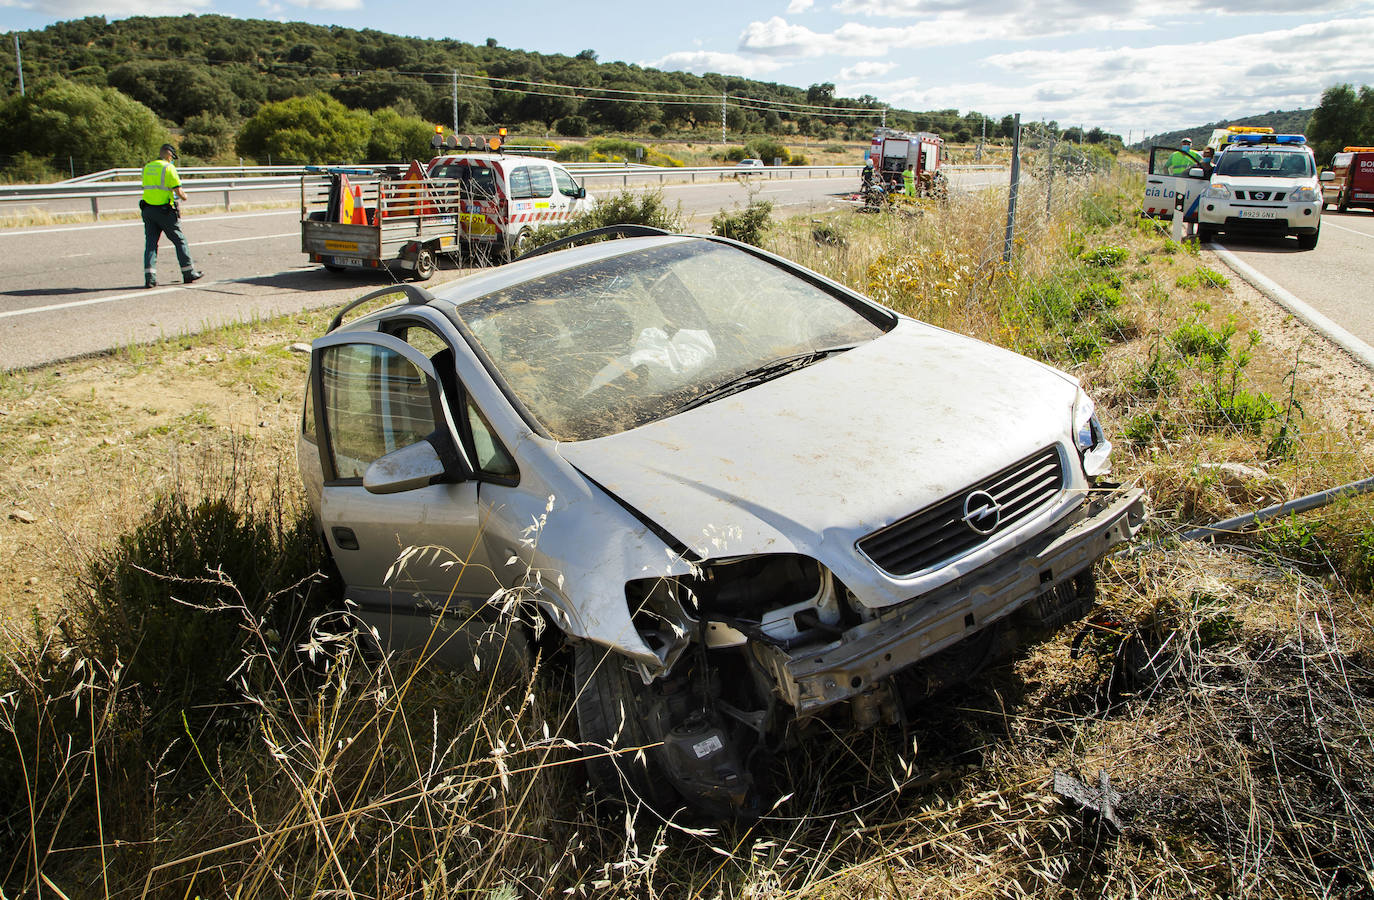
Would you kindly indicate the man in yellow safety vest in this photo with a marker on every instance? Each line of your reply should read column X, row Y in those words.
column 1183, row 159
column 909, row 181
column 161, row 187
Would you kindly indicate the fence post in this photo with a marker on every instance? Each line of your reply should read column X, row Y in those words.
column 1049, row 178
column 226, row 199
column 95, row 209
column 1015, row 184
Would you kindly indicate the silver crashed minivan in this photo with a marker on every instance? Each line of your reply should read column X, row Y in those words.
column 742, row 492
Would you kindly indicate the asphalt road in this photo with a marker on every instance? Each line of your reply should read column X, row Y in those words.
column 1336, row 279
column 74, row 290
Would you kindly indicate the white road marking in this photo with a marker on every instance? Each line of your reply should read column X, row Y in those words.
column 1315, row 320
column 1329, row 224
column 138, row 223
column 146, row 292
column 256, row 237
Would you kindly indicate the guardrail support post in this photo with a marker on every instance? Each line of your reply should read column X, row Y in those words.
column 226, row 199
column 95, row 210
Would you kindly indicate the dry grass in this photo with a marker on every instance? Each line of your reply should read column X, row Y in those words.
column 1226, row 690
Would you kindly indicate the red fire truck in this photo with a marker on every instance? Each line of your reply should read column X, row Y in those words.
column 892, row 152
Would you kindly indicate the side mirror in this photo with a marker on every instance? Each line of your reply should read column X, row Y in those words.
column 1328, row 175
column 581, row 192
column 406, row 469
column 1196, row 172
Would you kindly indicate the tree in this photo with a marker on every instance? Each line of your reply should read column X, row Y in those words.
column 1342, row 119
column 313, row 129
column 821, row 94
column 207, row 137
column 99, row 128
column 397, row 137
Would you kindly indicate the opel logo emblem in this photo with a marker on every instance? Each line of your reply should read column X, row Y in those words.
column 981, row 512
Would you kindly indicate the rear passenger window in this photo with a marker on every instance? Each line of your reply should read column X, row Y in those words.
column 520, row 184
column 541, row 185
column 566, row 186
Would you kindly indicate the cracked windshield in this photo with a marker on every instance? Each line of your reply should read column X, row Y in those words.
column 637, row 337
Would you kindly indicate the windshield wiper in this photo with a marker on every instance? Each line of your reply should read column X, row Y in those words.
column 759, row 374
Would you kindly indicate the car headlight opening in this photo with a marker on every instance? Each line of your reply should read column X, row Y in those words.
column 1093, row 447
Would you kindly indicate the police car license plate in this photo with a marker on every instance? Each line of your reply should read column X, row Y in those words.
column 1257, row 213
column 347, row 261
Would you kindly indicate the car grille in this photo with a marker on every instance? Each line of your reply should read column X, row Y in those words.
column 1274, row 196
column 939, row 533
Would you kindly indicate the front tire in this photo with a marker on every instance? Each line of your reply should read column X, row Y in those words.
column 518, row 246
column 613, row 714
column 1309, row 241
column 1206, row 233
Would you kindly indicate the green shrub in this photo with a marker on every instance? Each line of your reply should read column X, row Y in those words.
column 1229, row 406
column 1105, row 257
column 571, row 126
column 1203, row 277
column 1096, row 297
column 768, row 150
column 1158, row 376
column 799, row 159
column 748, row 225
column 622, row 208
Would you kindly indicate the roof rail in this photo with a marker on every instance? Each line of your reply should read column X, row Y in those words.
column 414, row 295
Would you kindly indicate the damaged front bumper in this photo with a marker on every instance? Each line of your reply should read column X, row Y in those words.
column 812, row 678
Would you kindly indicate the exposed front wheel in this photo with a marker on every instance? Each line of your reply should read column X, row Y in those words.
column 660, row 743
column 1309, row 241
column 1206, row 233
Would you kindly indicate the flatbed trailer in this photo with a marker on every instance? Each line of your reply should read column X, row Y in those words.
column 356, row 219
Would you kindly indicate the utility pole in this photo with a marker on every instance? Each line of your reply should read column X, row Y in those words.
column 455, row 102
column 19, row 63
column 1015, row 184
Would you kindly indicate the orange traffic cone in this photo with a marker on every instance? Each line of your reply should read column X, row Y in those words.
column 359, row 213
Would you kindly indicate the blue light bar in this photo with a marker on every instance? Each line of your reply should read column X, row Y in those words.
column 1269, row 139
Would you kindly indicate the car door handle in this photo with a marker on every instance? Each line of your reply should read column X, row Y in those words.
column 344, row 538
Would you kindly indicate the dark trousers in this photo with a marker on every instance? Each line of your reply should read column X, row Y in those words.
column 157, row 221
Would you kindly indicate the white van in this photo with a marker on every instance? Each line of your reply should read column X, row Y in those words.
column 503, row 199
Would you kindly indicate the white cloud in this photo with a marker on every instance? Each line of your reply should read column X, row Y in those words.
column 699, row 62
column 1067, row 12
column 865, row 70
column 1175, row 85
column 73, row 9
column 328, row 4
column 800, row 6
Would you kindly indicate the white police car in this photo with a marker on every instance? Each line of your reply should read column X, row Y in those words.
column 1264, row 184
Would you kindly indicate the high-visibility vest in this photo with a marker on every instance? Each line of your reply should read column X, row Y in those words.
column 159, row 177
column 909, row 182
column 1180, row 161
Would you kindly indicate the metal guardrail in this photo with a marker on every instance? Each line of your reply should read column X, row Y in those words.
column 230, row 180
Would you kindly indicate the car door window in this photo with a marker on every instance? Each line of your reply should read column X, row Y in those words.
column 541, row 184
column 520, row 184
column 566, row 186
column 489, row 455
column 375, row 401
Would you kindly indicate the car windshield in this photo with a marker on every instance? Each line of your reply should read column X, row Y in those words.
column 1265, row 163
column 628, row 340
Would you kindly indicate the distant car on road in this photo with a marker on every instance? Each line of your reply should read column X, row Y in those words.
column 749, row 164
column 743, row 492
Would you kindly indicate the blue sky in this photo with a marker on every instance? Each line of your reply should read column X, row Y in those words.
column 1130, row 66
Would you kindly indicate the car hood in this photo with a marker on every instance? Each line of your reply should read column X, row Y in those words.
column 811, row 461
column 1264, row 182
